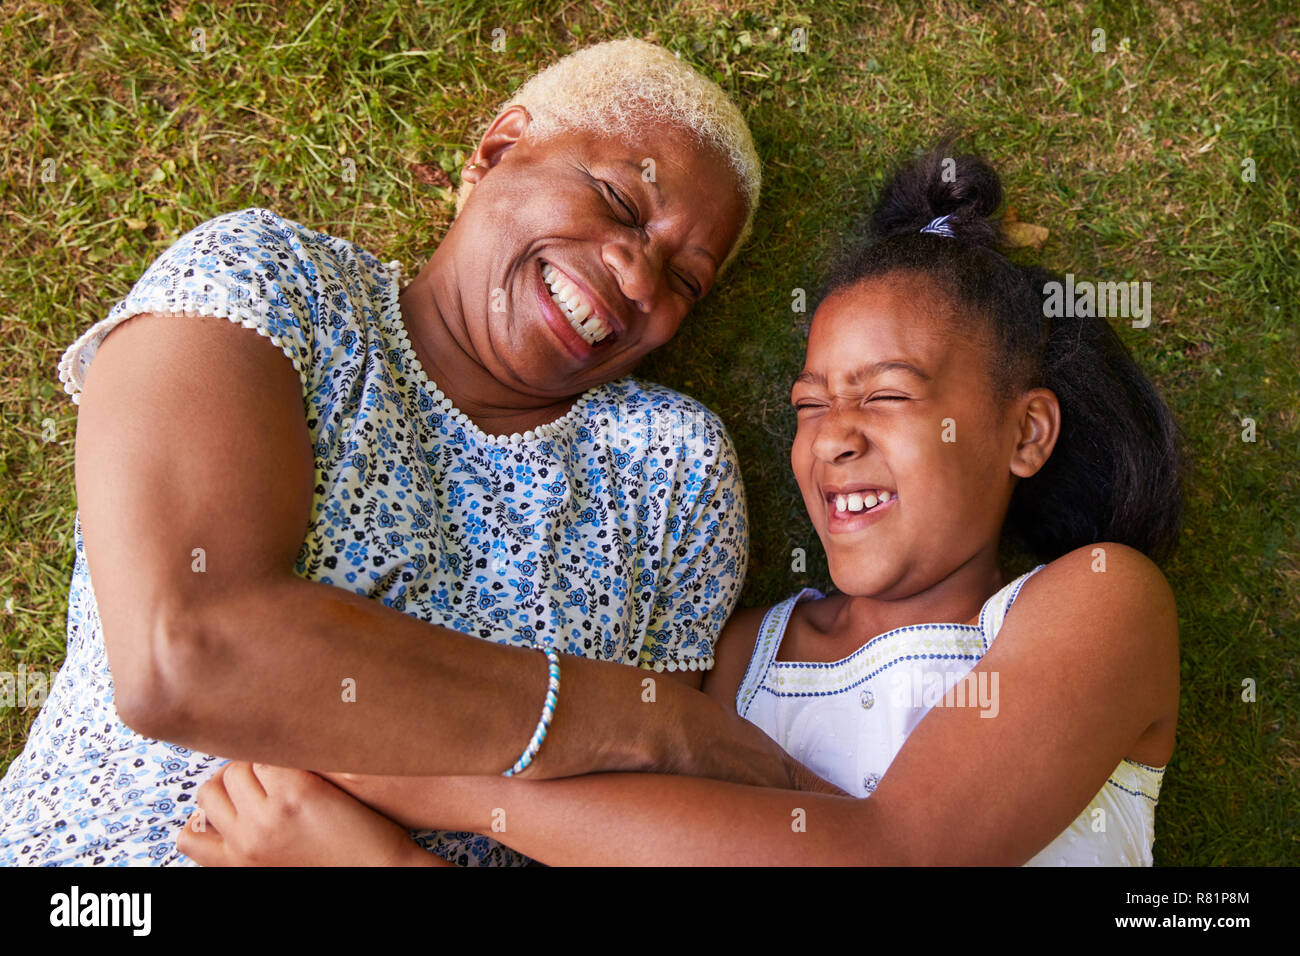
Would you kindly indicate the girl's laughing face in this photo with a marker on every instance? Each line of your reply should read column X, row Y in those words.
column 905, row 459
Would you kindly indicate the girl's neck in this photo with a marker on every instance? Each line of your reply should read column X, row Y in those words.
column 956, row 599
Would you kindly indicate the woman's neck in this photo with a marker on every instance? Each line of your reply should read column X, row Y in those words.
column 437, row 329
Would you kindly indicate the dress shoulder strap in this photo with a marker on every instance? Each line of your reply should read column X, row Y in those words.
column 995, row 609
column 766, row 644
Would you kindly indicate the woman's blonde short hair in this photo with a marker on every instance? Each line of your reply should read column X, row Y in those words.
column 619, row 87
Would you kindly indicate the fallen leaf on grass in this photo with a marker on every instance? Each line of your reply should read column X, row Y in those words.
column 430, row 175
column 1020, row 234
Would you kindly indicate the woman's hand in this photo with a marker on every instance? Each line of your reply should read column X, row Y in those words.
column 260, row 815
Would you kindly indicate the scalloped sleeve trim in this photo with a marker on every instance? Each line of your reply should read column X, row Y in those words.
column 679, row 664
column 77, row 358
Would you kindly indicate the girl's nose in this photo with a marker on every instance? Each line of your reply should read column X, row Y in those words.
column 838, row 437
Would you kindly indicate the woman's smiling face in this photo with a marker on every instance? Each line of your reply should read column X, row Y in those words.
column 586, row 252
column 895, row 406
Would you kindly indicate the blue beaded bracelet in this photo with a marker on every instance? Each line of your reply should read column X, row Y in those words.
column 548, row 711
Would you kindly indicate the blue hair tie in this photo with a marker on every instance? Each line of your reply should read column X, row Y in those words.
column 939, row 227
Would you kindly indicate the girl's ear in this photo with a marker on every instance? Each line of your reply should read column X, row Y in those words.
column 1040, row 425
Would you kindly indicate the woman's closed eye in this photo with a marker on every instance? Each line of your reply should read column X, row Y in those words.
column 616, row 198
column 694, row 291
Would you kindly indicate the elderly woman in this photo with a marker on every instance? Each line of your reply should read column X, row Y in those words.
column 330, row 522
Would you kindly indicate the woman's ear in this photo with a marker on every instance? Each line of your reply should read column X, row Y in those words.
column 504, row 132
column 1040, row 426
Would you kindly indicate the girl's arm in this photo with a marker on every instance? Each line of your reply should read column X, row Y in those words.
column 1085, row 663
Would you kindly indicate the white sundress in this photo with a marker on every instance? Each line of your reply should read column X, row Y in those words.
column 847, row 720
column 617, row 532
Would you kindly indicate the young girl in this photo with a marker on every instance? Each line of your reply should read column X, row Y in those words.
column 941, row 414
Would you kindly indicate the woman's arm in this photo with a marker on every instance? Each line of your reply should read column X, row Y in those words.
column 195, row 477
column 1085, row 663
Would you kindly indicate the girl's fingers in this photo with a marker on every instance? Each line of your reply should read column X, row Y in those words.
column 212, row 798
column 200, row 840
column 285, row 781
column 245, row 790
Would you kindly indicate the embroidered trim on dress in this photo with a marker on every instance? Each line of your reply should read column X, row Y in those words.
column 1136, row 793
column 689, row 664
column 421, row 382
column 771, row 629
column 963, row 642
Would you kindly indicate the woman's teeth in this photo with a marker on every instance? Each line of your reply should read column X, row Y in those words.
column 582, row 317
column 856, row 501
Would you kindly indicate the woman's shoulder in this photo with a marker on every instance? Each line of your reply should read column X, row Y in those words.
column 299, row 288
column 253, row 227
column 278, row 247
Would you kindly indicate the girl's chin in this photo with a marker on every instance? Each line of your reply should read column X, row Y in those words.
column 849, row 578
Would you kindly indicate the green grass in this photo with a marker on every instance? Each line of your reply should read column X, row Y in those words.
column 1131, row 157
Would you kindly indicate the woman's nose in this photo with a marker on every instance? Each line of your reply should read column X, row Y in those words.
column 838, row 438
column 635, row 269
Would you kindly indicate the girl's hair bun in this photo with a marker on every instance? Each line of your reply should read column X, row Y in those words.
column 941, row 183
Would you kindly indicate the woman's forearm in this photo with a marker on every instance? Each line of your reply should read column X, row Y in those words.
column 310, row 675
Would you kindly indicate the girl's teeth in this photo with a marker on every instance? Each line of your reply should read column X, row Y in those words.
column 856, row 501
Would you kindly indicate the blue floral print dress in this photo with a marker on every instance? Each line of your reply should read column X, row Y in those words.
column 617, row 532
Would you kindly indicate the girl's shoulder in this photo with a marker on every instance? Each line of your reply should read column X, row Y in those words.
column 1101, row 601
column 1105, row 613
column 1105, row 574
column 735, row 646
column 731, row 654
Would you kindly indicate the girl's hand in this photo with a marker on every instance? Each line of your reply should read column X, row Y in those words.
column 259, row 815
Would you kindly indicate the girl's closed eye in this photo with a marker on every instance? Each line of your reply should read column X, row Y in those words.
column 801, row 405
